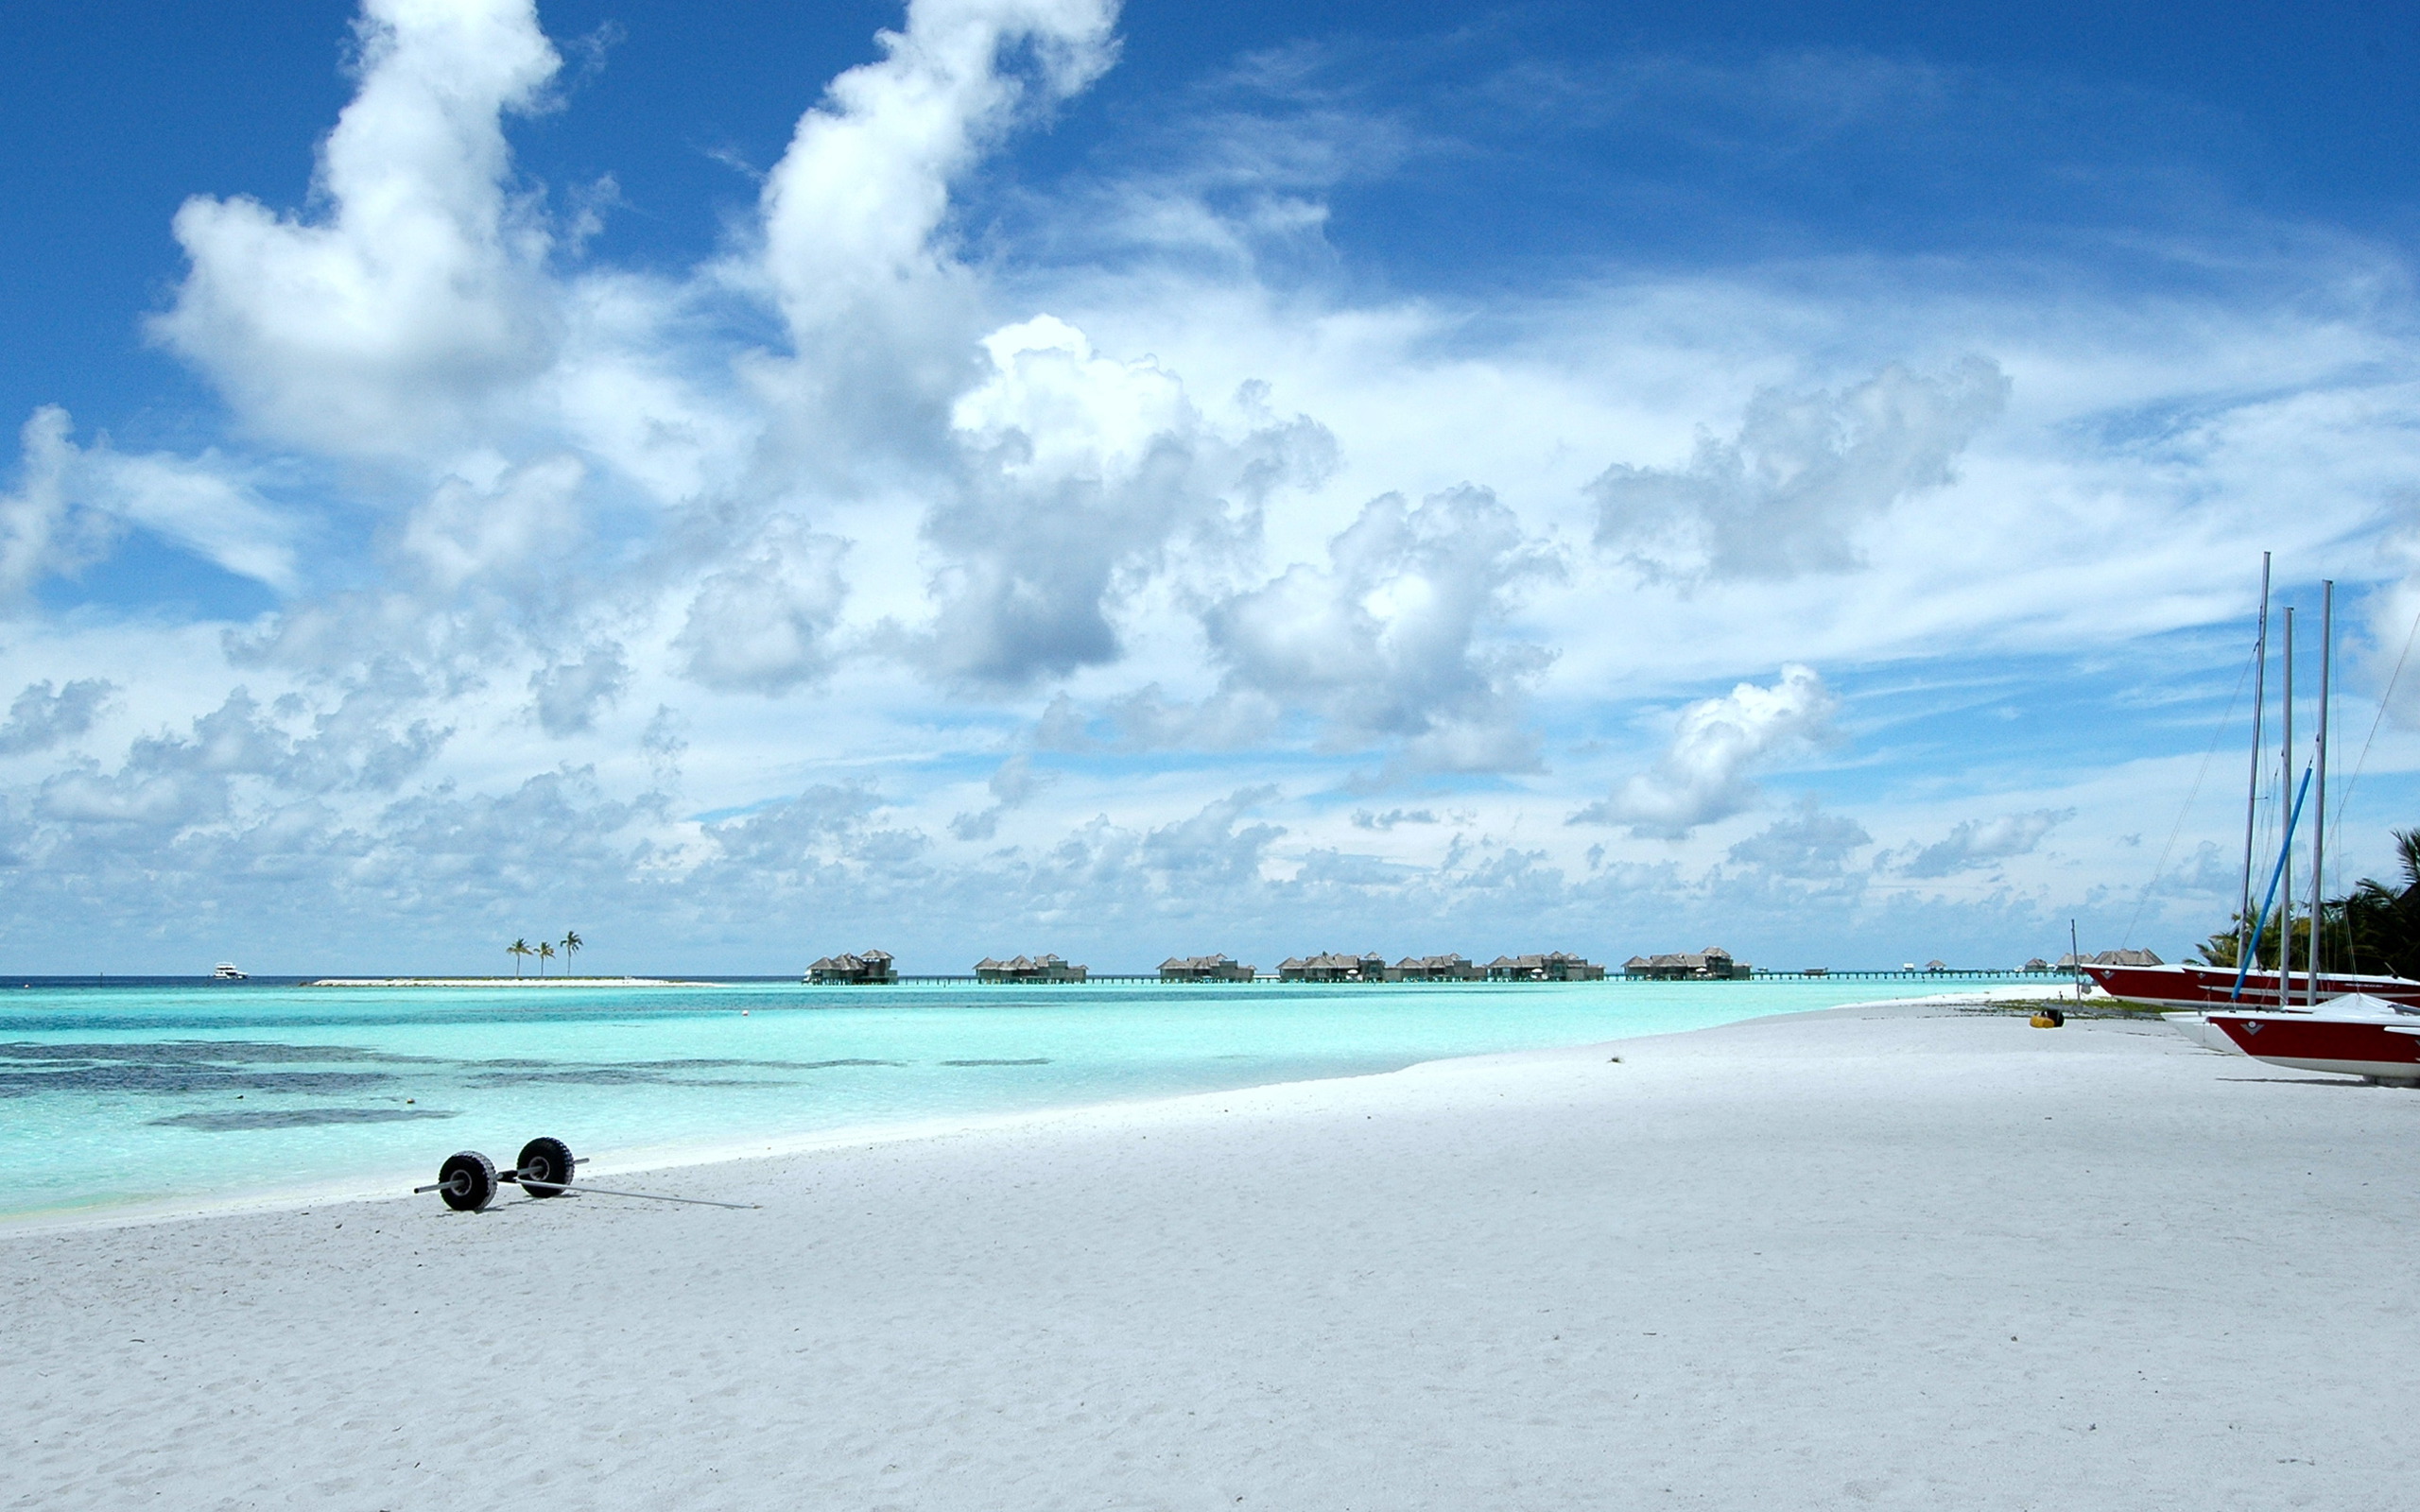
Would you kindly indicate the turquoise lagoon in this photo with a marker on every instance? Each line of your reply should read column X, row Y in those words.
column 188, row 1095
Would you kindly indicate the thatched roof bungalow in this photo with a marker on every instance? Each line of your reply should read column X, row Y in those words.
column 1713, row 963
column 1449, row 968
column 1334, row 967
column 1205, row 969
column 2129, row 957
column 862, row 969
column 1555, row 966
column 1028, row 969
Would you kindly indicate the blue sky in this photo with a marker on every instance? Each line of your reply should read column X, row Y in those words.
column 1176, row 478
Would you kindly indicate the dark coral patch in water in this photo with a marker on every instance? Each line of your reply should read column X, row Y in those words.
column 190, row 1051
column 646, row 1072
column 177, row 1067
column 297, row 1117
column 183, row 1078
column 573, row 1075
column 758, row 1065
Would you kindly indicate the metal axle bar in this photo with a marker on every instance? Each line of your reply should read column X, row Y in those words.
column 569, row 1190
column 462, row 1183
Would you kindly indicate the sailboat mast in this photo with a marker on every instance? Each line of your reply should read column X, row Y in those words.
column 2319, row 819
column 2285, row 785
column 2246, row 944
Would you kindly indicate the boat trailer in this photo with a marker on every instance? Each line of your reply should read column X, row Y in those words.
column 468, row 1180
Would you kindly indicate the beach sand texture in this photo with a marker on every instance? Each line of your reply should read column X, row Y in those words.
column 1890, row 1257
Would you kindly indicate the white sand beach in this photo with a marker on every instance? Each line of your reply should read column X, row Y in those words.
column 1897, row 1257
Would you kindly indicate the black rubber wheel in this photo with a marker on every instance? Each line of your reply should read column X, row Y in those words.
column 545, row 1160
column 467, row 1182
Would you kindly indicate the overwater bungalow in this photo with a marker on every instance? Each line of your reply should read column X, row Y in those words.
column 1204, row 969
column 1712, row 963
column 863, row 968
column 1435, row 969
column 1333, row 966
column 1555, row 966
column 1028, row 969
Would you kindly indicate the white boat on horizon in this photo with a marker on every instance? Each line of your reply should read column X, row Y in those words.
column 225, row 972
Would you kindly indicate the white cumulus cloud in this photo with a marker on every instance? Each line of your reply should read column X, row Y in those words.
column 1706, row 773
column 489, row 520
column 71, row 501
column 1974, row 844
column 1806, row 471
column 1082, row 473
column 1401, row 633
column 566, row 696
column 851, row 210
column 37, row 538
column 765, row 623
column 43, row 717
column 421, row 292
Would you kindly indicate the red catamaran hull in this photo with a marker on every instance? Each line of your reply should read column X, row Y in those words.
column 2213, row 987
column 2378, row 1051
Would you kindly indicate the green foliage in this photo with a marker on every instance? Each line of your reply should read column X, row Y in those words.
column 544, row 951
column 2381, row 926
column 2220, row 949
column 2372, row 928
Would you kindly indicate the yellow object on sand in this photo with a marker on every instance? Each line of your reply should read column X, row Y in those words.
column 2044, row 1020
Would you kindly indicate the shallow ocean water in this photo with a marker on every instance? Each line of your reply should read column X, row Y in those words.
column 197, row 1092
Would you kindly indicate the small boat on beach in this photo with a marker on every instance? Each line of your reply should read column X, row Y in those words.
column 2354, row 1034
column 2251, row 997
column 225, row 972
column 2201, row 987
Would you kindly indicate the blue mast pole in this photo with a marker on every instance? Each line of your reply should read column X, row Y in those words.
column 2243, row 964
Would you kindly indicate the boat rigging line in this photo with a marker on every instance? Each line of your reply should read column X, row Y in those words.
column 2385, row 699
column 2252, row 801
column 2319, row 821
column 2286, row 848
column 2185, row 812
column 2276, row 874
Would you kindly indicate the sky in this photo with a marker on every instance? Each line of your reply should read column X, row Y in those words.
column 749, row 481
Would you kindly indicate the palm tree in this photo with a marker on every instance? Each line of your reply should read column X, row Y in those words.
column 571, row 947
column 2375, row 927
column 2381, row 923
column 517, row 950
column 545, row 953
